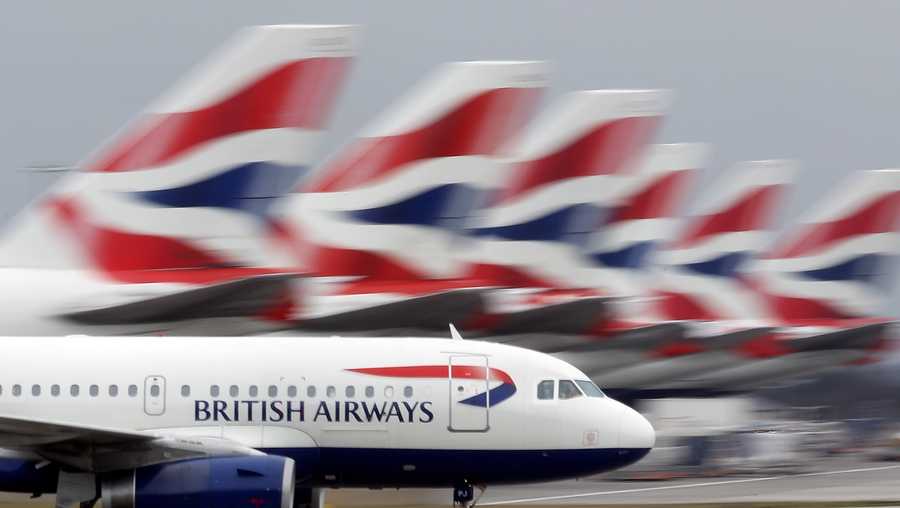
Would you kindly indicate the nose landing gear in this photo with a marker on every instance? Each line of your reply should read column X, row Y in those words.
column 464, row 494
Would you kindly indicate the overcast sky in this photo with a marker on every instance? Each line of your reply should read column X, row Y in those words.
column 818, row 81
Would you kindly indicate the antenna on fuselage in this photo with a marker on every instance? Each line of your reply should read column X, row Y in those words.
column 454, row 334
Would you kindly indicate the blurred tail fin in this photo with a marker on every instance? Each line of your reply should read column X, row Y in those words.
column 700, row 270
column 830, row 267
column 195, row 172
column 563, row 173
column 388, row 205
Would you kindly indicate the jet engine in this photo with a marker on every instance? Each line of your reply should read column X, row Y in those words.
column 264, row 480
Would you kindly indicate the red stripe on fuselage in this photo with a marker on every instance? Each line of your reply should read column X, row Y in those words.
column 437, row 371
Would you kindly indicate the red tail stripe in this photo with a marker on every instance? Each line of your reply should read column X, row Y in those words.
column 479, row 125
column 679, row 306
column 601, row 151
column 437, row 371
column 137, row 258
column 298, row 94
column 660, row 199
column 880, row 216
column 753, row 212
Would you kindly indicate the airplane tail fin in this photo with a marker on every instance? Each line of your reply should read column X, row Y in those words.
column 561, row 175
column 187, row 182
column 700, row 272
column 832, row 265
column 388, row 206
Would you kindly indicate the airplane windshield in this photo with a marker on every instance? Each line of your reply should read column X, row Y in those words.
column 590, row 389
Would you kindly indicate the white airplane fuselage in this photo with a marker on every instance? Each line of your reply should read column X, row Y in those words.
column 350, row 412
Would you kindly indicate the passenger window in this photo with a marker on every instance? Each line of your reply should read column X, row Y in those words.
column 54, row 390
column 94, row 390
column 214, row 390
column 132, row 390
column 310, row 391
column 370, row 392
column 407, row 391
column 350, row 392
column 389, row 392
column 330, row 392
column 233, row 390
column 17, row 390
column 292, row 391
column 545, row 390
column 568, row 390
column 113, row 390
column 590, row 389
column 36, row 390
column 154, row 391
column 185, row 391
column 73, row 390
column 254, row 391
column 273, row 391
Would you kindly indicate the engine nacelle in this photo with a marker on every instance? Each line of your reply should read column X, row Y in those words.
column 263, row 481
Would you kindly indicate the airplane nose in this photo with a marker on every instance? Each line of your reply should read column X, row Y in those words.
column 635, row 431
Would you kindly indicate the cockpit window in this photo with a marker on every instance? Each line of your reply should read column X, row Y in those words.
column 568, row 390
column 589, row 388
column 545, row 390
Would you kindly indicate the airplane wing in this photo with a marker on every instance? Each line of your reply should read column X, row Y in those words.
column 238, row 297
column 99, row 449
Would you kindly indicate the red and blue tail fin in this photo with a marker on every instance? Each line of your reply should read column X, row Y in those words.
column 388, row 207
column 834, row 264
column 188, row 184
column 700, row 273
column 564, row 173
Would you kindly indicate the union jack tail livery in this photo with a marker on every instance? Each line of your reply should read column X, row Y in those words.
column 188, row 184
column 388, row 206
column 830, row 266
column 564, row 173
column 620, row 248
column 699, row 276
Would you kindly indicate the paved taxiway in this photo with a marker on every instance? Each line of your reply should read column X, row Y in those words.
column 840, row 480
column 835, row 481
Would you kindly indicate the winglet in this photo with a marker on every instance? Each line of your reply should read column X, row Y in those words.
column 454, row 334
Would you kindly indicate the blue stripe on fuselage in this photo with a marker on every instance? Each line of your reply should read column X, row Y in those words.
column 249, row 188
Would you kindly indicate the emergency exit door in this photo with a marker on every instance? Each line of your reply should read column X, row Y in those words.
column 469, row 393
column 155, row 395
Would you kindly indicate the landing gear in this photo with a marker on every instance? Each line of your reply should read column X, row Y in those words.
column 464, row 494
column 309, row 498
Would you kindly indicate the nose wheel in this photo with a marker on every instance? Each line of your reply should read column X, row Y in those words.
column 464, row 495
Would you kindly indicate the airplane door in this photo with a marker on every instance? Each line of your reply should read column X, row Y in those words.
column 154, row 395
column 469, row 398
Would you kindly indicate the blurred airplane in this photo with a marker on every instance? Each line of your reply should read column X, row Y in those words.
column 158, row 230
column 562, row 176
column 834, row 259
column 377, row 222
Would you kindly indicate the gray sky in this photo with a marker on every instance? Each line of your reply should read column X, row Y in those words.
column 813, row 80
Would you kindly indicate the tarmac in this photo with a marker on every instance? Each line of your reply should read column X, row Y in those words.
column 856, row 483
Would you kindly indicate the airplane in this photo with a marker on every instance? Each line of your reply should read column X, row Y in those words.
column 655, row 336
column 157, row 231
column 375, row 222
column 821, row 286
column 562, row 175
column 139, row 422
column 836, row 256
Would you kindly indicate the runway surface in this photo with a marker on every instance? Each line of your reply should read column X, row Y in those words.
column 838, row 481
column 861, row 483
